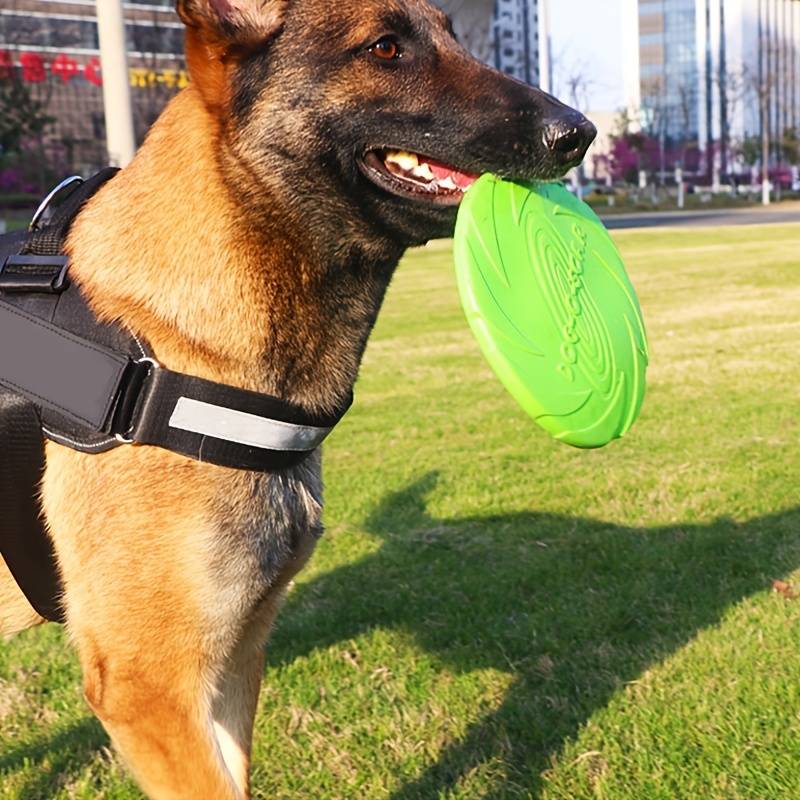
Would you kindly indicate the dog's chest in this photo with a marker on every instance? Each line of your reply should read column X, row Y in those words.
column 265, row 524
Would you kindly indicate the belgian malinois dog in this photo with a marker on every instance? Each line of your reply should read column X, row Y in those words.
column 251, row 242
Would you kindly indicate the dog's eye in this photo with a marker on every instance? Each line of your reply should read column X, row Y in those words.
column 386, row 49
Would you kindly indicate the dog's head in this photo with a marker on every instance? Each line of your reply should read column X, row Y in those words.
column 369, row 111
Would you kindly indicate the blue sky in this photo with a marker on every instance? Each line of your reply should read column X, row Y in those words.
column 587, row 39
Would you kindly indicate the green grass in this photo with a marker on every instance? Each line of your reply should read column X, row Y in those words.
column 494, row 615
column 15, row 225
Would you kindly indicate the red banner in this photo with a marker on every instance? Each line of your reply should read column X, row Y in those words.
column 34, row 69
column 6, row 64
column 65, row 68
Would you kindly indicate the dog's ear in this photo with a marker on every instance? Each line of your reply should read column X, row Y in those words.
column 219, row 33
column 233, row 22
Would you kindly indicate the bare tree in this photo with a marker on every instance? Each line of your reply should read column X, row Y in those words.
column 572, row 79
column 26, row 90
column 687, row 106
column 23, row 114
column 761, row 84
column 576, row 84
column 771, row 85
column 733, row 89
column 155, row 81
column 579, row 87
column 658, row 115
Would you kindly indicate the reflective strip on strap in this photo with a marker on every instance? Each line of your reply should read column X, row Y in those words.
column 240, row 427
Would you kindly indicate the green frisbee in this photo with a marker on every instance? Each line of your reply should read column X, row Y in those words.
column 554, row 312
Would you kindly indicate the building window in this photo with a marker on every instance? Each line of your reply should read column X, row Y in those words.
column 18, row 30
column 75, row 33
column 154, row 39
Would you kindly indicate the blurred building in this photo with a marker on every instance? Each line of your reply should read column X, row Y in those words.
column 52, row 47
column 715, row 72
column 596, row 166
column 669, row 66
column 511, row 35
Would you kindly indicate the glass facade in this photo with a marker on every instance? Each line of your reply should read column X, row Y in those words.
column 669, row 74
column 778, row 68
column 508, row 34
column 79, row 33
column 516, row 39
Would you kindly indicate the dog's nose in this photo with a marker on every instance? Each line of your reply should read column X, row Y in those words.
column 569, row 137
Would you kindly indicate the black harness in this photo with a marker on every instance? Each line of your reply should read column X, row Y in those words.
column 93, row 387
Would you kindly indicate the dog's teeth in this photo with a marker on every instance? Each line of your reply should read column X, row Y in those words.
column 448, row 183
column 423, row 171
column 406, row 161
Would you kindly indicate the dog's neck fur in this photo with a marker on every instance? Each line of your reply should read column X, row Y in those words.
column 219, row 290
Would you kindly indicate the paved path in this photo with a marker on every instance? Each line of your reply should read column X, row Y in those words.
column 777, row 214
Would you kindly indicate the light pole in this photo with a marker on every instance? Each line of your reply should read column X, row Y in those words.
column 116, row 86
column 723, row 91
column 710, row 156
column 764, row 91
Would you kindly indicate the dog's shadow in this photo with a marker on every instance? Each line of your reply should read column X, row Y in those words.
column 572, row 608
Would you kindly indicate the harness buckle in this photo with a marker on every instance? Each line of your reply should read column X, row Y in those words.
column 124, row 422
column 22, row 274
column 44, row 206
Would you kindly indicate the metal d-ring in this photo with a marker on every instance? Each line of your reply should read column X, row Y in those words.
column 154, row 365
column 45, row 204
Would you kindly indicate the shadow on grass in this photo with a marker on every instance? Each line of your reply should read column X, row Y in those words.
column 572, row 608
column 63, row 753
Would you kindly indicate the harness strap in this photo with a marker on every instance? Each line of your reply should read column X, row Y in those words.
column 224, row 425
column 33, row 276
column 25, row 546
column 141, row 403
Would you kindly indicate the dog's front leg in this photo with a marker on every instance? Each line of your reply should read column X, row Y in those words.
column 236, row 698
column 154, row 626
column 234, row 712
column 157, row 710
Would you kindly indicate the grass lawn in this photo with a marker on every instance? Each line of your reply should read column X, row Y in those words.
column 15, row 225
column 495, row 615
